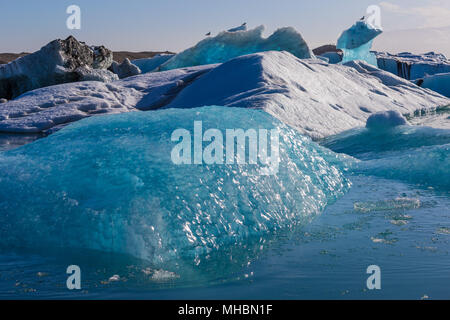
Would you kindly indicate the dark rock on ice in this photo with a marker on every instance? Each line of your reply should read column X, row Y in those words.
column 57, row 62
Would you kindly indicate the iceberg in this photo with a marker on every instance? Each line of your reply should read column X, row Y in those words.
column 108, row 183
column 366, row 144
column 427, row 166
column 60, row 61
column 227, row 45
column 356, row 42
column 316, row 98
column 416, row 154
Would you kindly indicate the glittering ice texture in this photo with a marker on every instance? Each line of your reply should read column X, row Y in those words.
column 108, row 183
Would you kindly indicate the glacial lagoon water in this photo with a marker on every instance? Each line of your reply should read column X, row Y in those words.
column 86, row 195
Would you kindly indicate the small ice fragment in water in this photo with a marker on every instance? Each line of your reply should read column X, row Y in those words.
column 115, row 277
column 399, row 222
column 443, row 230
column 163, row 275
column 377, row 240
column 384, row 237
column 398, row 203
column 147, row 271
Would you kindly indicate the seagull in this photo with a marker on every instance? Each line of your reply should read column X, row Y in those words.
column 242, row 27
column 208, row 34
column 362, row 18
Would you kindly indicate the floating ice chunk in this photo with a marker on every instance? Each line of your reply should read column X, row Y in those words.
column 227, row 45
column 114, row 278
column 356, row 42
column 387, row 205
column 385, row 120
column 366, row 144
column 314, row 97
column 428, row 166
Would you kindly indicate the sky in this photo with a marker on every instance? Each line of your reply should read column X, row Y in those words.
column 174, row 25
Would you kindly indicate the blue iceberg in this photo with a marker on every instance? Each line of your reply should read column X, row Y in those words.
column 356, row 42
column 227, row 45
column 108, row 183
column 415, row 154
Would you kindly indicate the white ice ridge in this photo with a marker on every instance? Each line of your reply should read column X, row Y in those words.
column 317, row 98
column 311, row 95
column 45, row 108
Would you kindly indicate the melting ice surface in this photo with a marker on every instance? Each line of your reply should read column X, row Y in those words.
column 109, row 184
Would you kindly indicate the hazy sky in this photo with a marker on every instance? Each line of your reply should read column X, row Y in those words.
column 138, row 25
